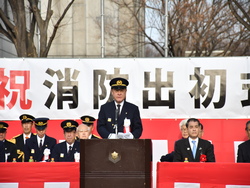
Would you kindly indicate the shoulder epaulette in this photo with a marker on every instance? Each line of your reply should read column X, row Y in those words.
column 12, row 140
column 96, row 136
column 16, row 136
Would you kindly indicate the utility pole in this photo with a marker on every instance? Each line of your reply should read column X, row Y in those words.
column 166, row 28
column 102, row 30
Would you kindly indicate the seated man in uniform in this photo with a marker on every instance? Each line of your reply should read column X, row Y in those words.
column 243, row 155
column 10, row 151
column 20, row 140
column 39, row 147
column 84, row 130
column 69, row 150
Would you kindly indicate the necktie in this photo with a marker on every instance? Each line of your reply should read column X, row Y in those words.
column 70, row 149
column 41, row 144
column 26, row 137
column 194, row 148
column 118, row 110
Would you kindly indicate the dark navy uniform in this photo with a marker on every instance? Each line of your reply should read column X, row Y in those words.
column 2, row 154
column 107, row 118
column 20, row 139
column 62, row 153
column 10, row 151
column 32, row 148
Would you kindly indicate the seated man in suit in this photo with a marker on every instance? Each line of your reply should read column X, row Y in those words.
column 193, row 148
column 39, row 147
column 9, row 149
column 184, row 134
column 84, row 130
column 69, row 150
column 243, row 155
column 119, row 117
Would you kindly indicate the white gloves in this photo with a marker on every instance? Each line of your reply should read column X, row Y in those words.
column 128, row 135
column 121, row 135
column 112, row 136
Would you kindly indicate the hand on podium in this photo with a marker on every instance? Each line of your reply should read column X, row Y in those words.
column 128, row 135
column 121, row 135
column 112, row 136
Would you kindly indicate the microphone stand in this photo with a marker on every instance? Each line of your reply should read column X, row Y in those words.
column 116, row 126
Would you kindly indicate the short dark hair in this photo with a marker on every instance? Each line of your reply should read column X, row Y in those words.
column 247, row 125
column 201, row 126
column 193, row 119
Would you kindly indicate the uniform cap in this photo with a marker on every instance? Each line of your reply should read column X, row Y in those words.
column 118, row 83
column 3, row 126
column 26, row 118
column 41, row 123
column 88, row 120
column 69, row 125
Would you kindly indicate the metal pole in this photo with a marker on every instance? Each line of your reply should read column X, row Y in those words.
column 166, row 28
column 102, row 29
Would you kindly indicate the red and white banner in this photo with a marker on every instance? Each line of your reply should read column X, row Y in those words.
column 203, row 175
column 40, row 175
column 162, row 88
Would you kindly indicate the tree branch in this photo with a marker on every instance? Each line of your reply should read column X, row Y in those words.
column 56, row 26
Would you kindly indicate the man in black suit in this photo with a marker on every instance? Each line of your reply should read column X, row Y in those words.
column 193, row 148
column 10, row 151
column 243, row 155
column 84, row 130
column 69, row 150
column 20, row 139
column 119, row 118
column 39, row 147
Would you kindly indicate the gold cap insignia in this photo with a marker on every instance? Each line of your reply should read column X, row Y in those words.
column 86, row 119
column 40, row 123
column 69, row 125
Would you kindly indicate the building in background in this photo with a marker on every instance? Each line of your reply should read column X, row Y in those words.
column 80, row 36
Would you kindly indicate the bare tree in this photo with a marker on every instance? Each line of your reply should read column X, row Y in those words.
column 241, row 10
column 19, row 20
column 195, row 28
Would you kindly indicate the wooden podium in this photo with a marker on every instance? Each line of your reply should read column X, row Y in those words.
column 122, row 163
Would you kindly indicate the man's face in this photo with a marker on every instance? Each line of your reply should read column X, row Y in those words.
column 70, row 136
column 41, row 133
column 184, row 131
column 2, row 135
column 248, row 130
column 193, row 129
column 201, row 132
column 83, row 131
column 27, row 127
column 119, row 94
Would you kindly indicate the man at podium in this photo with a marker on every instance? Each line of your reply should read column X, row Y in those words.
column 119, row 118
